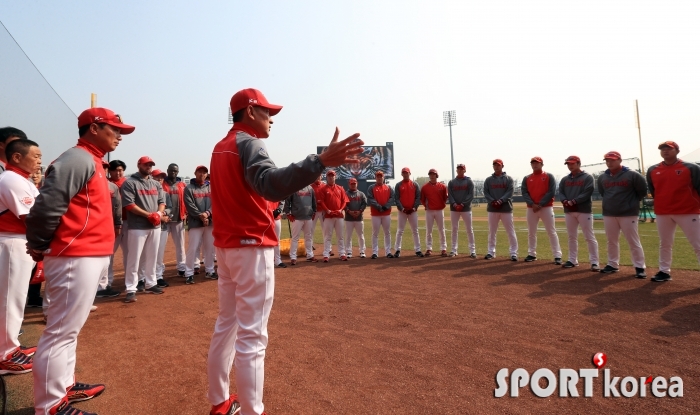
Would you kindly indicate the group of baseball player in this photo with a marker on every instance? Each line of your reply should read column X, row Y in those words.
column 86, row 209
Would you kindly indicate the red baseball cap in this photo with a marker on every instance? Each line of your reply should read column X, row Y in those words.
column 330, row 173
column 201, row 168
column 352, row 180
column 156, row 173
column 499, row 161
column 406, row 170
column 461, row 166
column 379, row 173
column 431, row 171
column 104, row 116
column 537, row 159
column 145, row 160
column 612, row 155
column 671, row 144
column 572, row 159
column 250, row 96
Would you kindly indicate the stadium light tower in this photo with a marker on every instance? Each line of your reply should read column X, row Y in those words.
column 450, row 119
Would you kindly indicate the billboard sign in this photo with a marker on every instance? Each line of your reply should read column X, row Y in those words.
column 371, row 160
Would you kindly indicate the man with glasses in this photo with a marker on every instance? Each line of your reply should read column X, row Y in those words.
column 538, row 191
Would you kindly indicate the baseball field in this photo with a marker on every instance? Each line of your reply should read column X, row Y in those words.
column 409, row 335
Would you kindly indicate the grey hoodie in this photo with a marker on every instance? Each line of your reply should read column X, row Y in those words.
column 499, row 188
column 460, row 191
column 356, row 201
column 578, row 188
column 301, row 204
column 144, row 193
column 197, row 201
column 622, row 192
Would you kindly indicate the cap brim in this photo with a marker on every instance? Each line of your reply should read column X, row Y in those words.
column 274, row 109
column 123, row 128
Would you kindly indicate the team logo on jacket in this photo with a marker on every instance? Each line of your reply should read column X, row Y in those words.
column 678, row 172
column 28, row 201
column 262, row 152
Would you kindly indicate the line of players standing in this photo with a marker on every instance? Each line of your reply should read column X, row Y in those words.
column 674, row 184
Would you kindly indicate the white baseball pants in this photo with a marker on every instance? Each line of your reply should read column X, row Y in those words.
column 246, row 291
column 507, row 219
column 666, row 226
column 177, row 232
column 299, row 226
column 431, row 217
column 533, row 218
column 383, row 222
column 200, row 236
column 160, row 265
column 628, row 226
column 467, row 218
column 278, row 232
column 71, row 282
column 412, row 219
column 142, row 250
column 119, row 240
column 585, row 220
column 15, row 272
column 330, row 225
column 359, row 228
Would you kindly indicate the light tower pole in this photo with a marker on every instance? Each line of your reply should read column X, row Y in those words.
column 450, row 119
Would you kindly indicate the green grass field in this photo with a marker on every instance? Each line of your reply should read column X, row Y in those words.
column 683, row 255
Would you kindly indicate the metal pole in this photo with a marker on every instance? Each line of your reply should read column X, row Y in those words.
column 639, row 128
column 452, row 153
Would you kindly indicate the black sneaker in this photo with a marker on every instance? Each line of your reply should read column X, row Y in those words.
column 374, row 256
column 595, row 268
column 162, row 283
column 189, row 280
column 420, row 254
column 107, row 293
column 569, row 264
column 181, row 273
column 397, row 254
column 488, row 256
column 514, row 258
column 155, row 290
column 472, row 255
column 331, row 253
column 609, row 269
column 530, row 258
column 557, row 261
column 141, row 286
column 130, row 298
column 215, row 276
column 639, row 273
column 35, row 302
column 281, row 265
column 389, row 256
column 661, row 277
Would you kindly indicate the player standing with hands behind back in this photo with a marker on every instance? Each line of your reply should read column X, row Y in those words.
column 244, row 244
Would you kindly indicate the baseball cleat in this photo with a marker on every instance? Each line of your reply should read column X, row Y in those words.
column 130, row 298
column 595, row 268
column 443, row 253
column 530, row 258
column 472, row 255
column 196, row 271
column 16, row 363
column 294, row 262
column 557, row 261
column 661, row 277
column 427, row 253
column 82, row 392
column 397, row 254
column 281, row 265
column 569, row 264
column 181, row 273
column 362, row 255
column 155, row 290
column 190, row 280
column 488, row 256
column 162, row 283
column 343, row 258
column 227, row 407
column 349, row 255
column 331, row 253
column 420, row 254
column 374, row 256
column 63, row 408
column 107, row 292
column 609, row 269
column 312, row 259
column 453, row 253
column 325, row 259
column 140, row 286
column 514, row 258
column 28, row 351
column 93, row 308
column 215, row 276
column 639, row 273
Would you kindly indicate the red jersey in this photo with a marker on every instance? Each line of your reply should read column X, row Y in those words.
column 333, row 198
column 381, row 195
column 433, row 196
column 675, row 188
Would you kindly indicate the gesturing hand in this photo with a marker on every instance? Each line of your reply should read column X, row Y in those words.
column 338, row 152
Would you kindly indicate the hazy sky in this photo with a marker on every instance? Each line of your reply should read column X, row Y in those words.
column 547, row 78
